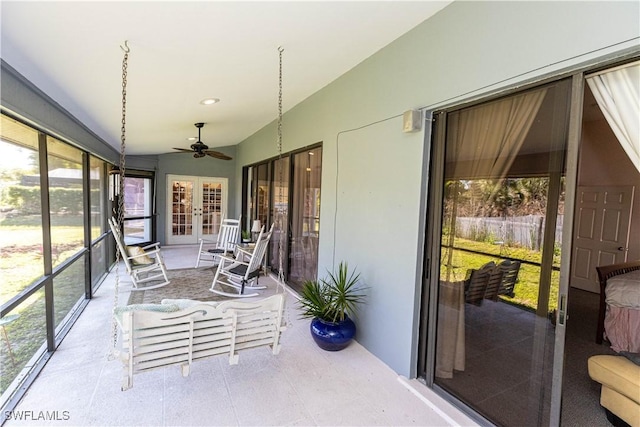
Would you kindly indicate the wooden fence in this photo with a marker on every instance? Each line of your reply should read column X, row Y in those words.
column 525, row 231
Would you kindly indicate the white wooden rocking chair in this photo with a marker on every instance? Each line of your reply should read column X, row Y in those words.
column 225, row 244
column 145, row 265
column 240, row 274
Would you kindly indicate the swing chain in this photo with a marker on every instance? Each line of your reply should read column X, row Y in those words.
column 281, row 178
column 123, row 138
column 279, row 145
column 120, row 200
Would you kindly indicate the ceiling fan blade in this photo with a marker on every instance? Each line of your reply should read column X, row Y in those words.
column 217, row 155
column 183, row 150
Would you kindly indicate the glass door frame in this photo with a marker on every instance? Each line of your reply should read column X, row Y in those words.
column 432, row 207
column 151, row 216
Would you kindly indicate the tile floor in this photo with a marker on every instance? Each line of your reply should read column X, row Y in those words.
column 303, row 385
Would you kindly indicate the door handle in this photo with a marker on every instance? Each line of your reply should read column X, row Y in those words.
column 622, row 249
column 562, row 310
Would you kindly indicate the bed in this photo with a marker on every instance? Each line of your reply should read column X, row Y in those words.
column 619, row 311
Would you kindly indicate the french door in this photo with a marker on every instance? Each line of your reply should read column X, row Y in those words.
column 195, row 206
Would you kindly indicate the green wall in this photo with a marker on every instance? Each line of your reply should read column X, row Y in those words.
column 371, row 213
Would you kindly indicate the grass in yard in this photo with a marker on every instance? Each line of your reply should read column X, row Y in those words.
column 21, row 264
column 527, row 285
column 22, row 259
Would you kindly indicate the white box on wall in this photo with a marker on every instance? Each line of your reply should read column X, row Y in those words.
column 412, row 121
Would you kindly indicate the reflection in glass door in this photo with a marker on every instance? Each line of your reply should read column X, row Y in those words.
column 279, row 248
column 305, row 216
column 498, row 248
column 261, row 194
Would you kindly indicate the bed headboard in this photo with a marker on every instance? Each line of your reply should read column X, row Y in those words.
column 606, row 272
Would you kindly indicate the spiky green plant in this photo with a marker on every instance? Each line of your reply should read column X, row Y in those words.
column 332, row 298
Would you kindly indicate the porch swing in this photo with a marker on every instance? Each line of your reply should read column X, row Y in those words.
column 179, row 332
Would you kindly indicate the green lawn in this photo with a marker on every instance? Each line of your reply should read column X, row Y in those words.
column 527, row 285
column 21, row 264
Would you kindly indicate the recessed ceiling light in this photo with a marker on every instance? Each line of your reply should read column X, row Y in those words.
column 209, row 101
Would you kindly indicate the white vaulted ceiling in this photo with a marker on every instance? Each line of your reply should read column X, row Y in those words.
column 183, row 52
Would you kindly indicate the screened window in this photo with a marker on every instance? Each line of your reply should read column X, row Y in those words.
column 65, row 199
column 20, row 209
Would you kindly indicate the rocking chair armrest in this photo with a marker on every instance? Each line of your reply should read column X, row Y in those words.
column 153, row 245
column 202, row 239
column 232, row 259
column 244, row 250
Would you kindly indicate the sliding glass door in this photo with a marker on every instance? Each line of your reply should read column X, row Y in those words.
column 286, row 192
column 498, row 202
column 305, row 216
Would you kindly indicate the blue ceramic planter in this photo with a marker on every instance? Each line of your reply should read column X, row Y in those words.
column 332, row 336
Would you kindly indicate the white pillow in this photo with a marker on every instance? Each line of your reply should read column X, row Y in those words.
column 623, row 290
column 141, row 258
column 161, row 308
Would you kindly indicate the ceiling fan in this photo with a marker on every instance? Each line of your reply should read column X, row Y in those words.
column 200, row 149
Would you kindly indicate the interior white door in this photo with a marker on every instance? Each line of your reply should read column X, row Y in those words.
column 601, row 234
column 195, row 207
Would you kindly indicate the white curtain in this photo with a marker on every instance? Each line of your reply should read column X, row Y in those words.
column 617, row 93
column 487, row 138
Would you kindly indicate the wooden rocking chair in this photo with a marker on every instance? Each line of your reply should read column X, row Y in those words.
column 144, row 265
column 225, row 244
column 240, row 274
